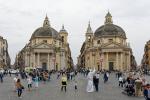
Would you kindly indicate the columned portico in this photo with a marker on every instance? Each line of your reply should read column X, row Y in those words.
column 109, row 39
column 115, row 61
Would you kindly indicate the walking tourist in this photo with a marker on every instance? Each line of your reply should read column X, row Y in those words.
column 63, row 82
column 90, row 85
column 1, row 76
column 95, row 81
column 19, row 87
column 105, row 77
column 121, row 81
column 147, row 92
column 29, row 81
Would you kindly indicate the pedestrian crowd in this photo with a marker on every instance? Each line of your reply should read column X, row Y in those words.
column 132, row 83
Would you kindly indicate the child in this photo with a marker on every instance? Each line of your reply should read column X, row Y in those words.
column 75, row 85
column 36, row 82
column 29, row 81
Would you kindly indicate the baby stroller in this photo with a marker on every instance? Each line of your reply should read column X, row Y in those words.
column 129, row 90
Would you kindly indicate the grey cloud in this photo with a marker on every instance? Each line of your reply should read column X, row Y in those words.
column 19, row 18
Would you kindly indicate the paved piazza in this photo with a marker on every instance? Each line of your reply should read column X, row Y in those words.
column 51, row 91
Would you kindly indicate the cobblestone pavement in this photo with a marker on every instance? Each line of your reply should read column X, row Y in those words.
column 51, row 91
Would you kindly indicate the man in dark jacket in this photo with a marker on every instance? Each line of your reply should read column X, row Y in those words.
column 147, row 92
column 96, row 82
column 1, row 77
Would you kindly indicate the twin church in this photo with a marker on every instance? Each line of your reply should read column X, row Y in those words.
column 104, row 49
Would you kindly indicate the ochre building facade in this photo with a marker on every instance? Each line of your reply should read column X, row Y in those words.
column 146, row 57
column 47, row 49
column 4, row 55
column 106, row 48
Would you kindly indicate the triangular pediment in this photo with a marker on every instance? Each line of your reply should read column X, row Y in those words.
column 43, row 46
column 112, row 45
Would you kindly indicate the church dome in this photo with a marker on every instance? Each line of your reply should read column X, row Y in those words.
column 45, row 31
column 109, row 29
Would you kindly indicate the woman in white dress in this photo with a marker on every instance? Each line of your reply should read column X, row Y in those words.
column 90, row 85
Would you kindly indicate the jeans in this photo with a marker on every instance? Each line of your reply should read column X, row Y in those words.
column 62, row 87
column 19, row 92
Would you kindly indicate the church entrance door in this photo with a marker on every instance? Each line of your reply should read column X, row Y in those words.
column 111, row 66
column 44, row 66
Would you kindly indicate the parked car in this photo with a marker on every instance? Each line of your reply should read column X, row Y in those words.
column 13, row 71
column 2, row 70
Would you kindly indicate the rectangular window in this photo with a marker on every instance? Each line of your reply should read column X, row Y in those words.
column 45, row 41
column 110, row 40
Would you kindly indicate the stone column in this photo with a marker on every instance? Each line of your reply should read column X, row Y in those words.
column 129, row 62
column 48, row 62
column 26, row 59
column 34, row 60
column 29, row 61
column 117, row 67
column 63, row 59
column 107, row 65
column 38, row 59
column 121, row 62
column 60, row 61
column 103, row 57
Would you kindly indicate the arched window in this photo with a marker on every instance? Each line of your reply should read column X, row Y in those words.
column 62, row 38
column 89, row 38
column 98, row 42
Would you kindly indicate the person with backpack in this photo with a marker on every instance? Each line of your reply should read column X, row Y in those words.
column 19, row 87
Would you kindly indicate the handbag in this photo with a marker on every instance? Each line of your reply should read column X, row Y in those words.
column 22, row 87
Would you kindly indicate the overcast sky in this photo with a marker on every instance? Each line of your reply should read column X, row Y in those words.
column 20, row 18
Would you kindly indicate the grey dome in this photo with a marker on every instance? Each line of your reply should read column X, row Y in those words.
column 110, row 30
column 44, row 32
